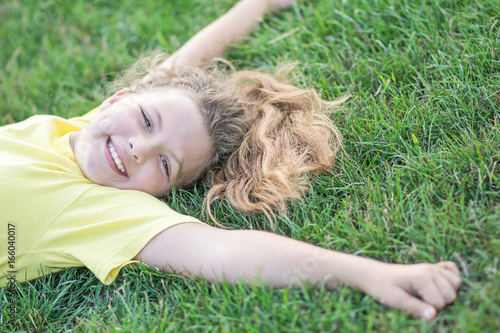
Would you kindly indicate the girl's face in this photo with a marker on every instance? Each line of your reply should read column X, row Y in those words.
column 146, row 142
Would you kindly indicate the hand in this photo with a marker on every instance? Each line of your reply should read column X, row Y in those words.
column 395, row 285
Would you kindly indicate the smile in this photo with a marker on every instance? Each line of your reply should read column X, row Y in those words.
column 118, row 163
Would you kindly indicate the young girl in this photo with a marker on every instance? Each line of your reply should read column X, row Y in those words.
column 82, row 191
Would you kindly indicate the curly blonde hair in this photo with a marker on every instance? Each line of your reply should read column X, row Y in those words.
column 266, row 134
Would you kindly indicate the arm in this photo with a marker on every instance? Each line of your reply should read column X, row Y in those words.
column 213, row 40
column 216, row 255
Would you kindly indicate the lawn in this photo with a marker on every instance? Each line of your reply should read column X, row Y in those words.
column 419, row 180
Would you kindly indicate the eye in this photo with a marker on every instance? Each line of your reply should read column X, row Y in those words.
column 165, row 164
column 147, row 121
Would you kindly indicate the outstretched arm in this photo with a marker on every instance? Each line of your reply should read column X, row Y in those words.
column 217, row 254
column 214, row 39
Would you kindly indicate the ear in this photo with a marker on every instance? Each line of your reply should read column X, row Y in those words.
column 113, row 99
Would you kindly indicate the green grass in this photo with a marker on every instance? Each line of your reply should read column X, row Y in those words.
column 421, row 181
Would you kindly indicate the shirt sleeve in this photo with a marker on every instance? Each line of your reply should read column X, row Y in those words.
column 104, row 229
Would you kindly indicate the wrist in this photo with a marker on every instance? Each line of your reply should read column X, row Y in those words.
column 347, row 269
column 361, row 273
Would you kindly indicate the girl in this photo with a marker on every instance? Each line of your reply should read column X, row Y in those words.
column 81, row 192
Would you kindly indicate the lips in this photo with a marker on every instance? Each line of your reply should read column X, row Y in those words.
column 114, row 157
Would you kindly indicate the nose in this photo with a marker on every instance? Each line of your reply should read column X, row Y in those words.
column 140, row 149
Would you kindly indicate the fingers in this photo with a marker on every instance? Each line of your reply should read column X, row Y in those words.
column 446, row 289
column 449, row 265
column 452, row 277
column 439, row 284
column 404, row 301
column 430, row 291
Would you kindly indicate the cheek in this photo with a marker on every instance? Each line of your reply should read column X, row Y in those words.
column 105, row 125
column 114, row 123
column 151, row 181
column 114, row 120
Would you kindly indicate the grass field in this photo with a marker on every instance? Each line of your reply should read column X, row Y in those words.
column 420, row 180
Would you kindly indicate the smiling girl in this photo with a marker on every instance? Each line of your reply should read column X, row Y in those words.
column 140, row 142
column 83, row 191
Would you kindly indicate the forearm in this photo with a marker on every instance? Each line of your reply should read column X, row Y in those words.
column 281, row 262
column 214, row 39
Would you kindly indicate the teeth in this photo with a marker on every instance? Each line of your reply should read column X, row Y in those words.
column 114, row 154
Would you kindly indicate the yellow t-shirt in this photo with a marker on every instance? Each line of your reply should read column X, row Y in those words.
column 52, row 217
